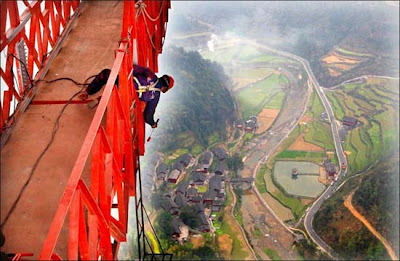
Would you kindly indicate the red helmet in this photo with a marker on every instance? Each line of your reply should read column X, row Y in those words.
column 168, row 80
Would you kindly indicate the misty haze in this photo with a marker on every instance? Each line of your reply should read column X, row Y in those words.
column 199, row 130
column 309, row 128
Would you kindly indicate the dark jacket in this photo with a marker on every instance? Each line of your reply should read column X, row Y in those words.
column 146, row 77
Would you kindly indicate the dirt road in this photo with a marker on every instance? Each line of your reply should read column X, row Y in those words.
column 366, row 223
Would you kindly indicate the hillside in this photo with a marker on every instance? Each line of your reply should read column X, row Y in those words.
column 376, row 191
column 341, row 40
column 200, row 107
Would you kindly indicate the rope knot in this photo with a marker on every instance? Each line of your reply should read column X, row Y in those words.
column 140, row 5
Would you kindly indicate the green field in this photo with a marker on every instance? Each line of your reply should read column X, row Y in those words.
column 272, row 254
column 260, row 182
column 202, row 189
column 253, row 73
column 266, row 93
column 318, row 131
column 376, row 106
column 172, row 157
column 343, row 51
column 311, row 156
column 276, row 101
column 238, row 250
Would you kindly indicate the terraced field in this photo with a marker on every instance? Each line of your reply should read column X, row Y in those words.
column 341, row 60
column 375, row 104
column 317, row 131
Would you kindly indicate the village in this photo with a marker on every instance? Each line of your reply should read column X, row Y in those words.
column 197, row 183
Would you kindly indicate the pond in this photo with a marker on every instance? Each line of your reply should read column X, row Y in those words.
column 305, row 185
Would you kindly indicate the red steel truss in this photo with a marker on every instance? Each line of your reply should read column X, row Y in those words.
column 113, row 148
column 46, row 20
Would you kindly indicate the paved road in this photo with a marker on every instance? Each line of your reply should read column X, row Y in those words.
column 339, row 151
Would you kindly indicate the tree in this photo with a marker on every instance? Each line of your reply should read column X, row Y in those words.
column 205, row 253
column 190, row 217
column 163, row 224
column 235, row 163
column 156, row 200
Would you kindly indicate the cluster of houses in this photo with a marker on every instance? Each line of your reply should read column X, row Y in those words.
column 250, row 125
column 203, row 189
column 177, row 169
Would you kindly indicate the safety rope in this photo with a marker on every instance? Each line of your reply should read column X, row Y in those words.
column 141, row 10
column 142, row 6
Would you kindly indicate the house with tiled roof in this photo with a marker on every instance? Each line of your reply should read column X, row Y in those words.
column 182, row 187
column 191, row 192
column 215, row 183
column 185, row 159
column 220, row 169
column 162, row 171
column 197, row 199
column 178, row 166
column 205, row 160
column 180, row 200
column 220, row 153
column 198, row 178
column 170, row 206
column 174, row 176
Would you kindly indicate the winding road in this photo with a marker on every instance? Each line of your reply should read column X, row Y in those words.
column 339, row 150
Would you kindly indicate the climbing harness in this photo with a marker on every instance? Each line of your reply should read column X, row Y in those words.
column 145, row 88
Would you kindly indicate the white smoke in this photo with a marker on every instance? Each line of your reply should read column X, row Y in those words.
column 211, row 43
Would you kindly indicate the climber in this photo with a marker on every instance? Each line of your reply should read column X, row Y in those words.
column 147, row 84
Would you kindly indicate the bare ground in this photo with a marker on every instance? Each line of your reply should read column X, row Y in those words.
column 274, row 235
column 225, row 246
column 336, row 58
column 301, row 144
column 197, row 241
column 266, row 118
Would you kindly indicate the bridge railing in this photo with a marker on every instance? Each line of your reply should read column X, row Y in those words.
column 111, row 149
column 29, row 41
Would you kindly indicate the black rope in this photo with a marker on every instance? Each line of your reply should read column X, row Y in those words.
column 158, row 240
column 55, row 129
column 85, row 84
column 62, row 79
column 25, row 67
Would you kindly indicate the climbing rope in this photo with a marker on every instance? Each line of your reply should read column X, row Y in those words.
column 141, row 10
